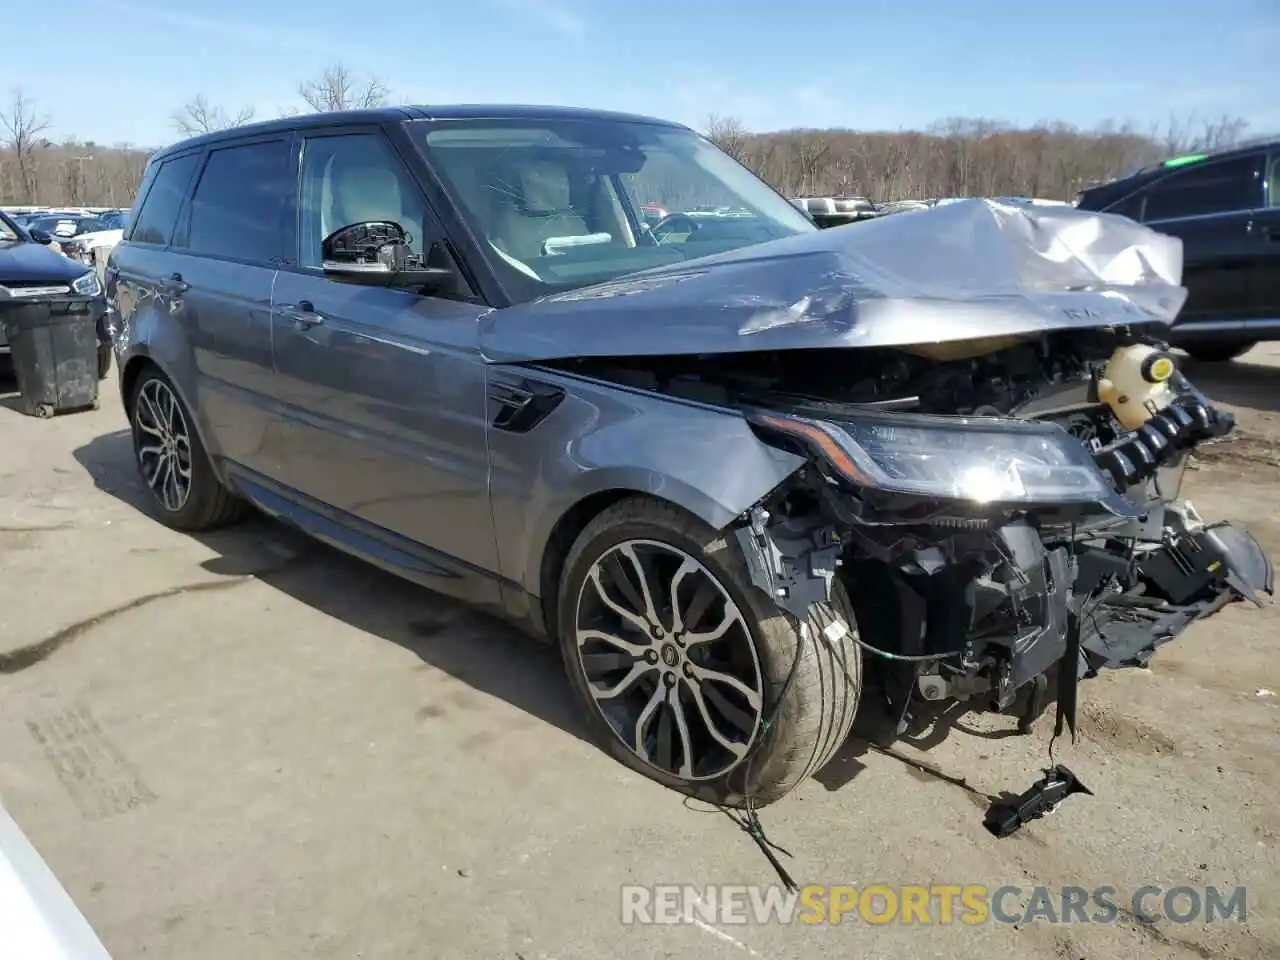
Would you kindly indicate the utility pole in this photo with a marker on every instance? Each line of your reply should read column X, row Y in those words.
column 81, row 182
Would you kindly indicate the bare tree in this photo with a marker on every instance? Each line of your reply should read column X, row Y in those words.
column 729, row 135
column 22, row 126
column 200, row 116
column 958, row 157
column 337, row 88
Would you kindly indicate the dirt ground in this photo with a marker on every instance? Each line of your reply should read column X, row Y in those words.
column 247, row 745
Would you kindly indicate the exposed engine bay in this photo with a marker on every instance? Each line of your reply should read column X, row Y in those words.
column 1004, row 513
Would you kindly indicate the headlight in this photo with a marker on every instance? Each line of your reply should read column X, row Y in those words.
column 982, row 460
column 88, row 285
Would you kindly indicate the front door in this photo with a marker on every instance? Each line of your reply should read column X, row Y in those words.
column 382, row 391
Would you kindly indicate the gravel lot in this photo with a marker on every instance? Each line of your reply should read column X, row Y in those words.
column 247, row 745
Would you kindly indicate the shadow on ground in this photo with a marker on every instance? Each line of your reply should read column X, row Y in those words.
column 1238, row 383
column 488, row 655
column 483, row 652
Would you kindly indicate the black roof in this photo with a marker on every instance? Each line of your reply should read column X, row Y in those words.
column 1104, row 195
column 401, row 114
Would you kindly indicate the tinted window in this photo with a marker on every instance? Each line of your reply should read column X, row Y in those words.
column 1130, row 207
column 1273, row 182
column 1221, row 187
column 238, row 206
column 159, row 213
column 350, row 179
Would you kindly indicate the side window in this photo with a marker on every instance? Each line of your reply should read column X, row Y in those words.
column 1273, row 181
column 131, row 217
column 355, row 178
column 158, row 214
column 1130, row 206
column 239, row 204
column 1222, row 187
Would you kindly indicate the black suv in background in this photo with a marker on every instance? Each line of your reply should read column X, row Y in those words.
column 1225, row 207
column 30, row 272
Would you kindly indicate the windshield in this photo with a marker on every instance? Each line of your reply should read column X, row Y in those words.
column 8, row 232
column 558, row 204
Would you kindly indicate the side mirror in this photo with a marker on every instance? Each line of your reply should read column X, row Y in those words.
column 377, row 254
column 41, row 236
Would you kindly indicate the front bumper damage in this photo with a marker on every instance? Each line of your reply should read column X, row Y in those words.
column 1008, row 608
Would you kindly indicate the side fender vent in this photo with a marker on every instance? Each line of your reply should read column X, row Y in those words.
column 520, row 405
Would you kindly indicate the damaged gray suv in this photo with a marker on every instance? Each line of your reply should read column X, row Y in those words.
column 724, row 459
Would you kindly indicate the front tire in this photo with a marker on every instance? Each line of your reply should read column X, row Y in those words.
column 681, row 662
column 172, row 461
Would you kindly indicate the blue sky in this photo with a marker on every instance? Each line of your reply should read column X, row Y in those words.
column 861, row 63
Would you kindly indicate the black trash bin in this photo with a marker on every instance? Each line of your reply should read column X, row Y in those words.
column 54, row 347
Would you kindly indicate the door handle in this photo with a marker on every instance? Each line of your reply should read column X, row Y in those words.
column 302, row 314
column 175, row 286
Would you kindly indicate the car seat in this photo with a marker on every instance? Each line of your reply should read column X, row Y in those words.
column 533, row 204
column 363, row 191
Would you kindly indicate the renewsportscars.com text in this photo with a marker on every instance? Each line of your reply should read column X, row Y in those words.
column 941, row 904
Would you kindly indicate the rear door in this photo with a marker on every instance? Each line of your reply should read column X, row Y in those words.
column 382, row 390
column 1209, row 206
column 136, row 272
column 230, row 241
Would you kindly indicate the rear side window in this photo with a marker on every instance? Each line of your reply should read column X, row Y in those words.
column 159, row 211
column 1130, row 207
column 238, row 207
column 1224, row 187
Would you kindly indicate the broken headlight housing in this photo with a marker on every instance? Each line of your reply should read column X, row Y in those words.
column 977, row 459
column 87, row 285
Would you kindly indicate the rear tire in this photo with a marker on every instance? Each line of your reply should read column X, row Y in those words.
column 172, row 461
column 1219, row 352
column 680, row 685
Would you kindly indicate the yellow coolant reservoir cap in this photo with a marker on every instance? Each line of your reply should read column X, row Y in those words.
column 1158, row 367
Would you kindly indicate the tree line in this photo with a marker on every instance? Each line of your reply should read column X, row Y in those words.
column 955, row 157
column 963, row 157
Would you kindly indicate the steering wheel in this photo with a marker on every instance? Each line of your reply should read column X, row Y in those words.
column 670, row 222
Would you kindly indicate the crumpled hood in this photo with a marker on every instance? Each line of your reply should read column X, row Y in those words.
column 962, row 271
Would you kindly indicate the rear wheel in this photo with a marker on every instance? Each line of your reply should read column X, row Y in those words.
column 1219, row 352
column 172, row 460
column 683, row 665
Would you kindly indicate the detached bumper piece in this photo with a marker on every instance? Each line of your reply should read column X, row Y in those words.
column 1179, row 427
column 1185, row 579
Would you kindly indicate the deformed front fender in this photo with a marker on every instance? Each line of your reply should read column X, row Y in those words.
column 602, row 438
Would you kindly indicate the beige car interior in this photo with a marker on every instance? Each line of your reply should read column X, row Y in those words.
column 528, row 207
column 357, row 187
column 534, row 207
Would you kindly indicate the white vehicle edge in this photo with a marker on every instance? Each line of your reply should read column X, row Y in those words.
column 38, row 919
